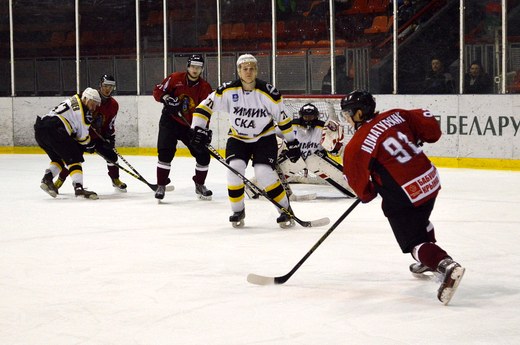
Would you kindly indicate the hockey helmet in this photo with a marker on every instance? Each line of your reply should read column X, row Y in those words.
column 246, row 58
column 358, row 100
column 308, row 114
column 195, row 60
column 91, row 94
column 107, row 80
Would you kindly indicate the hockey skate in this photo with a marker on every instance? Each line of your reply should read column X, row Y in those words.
column 118, row 185
column 79, row 191
column 452, row 274
column 237, row 219
column 421, row 271
column 202, row 192
column 47, row 185
column 159, row 193
column 285, row 221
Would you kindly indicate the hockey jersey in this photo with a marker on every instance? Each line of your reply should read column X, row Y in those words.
column 190, row 94
column 75, row 118
column 309, row 137
column 103, row 121
column 252, row 114
column 385, row 157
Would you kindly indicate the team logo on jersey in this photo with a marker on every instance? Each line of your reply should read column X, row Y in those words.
column 187, row 104
column 235, row 97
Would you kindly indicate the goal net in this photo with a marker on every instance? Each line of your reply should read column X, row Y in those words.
column 329, row 108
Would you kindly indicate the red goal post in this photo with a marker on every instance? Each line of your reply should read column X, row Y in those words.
column 328, row 105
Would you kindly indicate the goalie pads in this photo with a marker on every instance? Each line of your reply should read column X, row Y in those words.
column 332, row 137
column 329, row 170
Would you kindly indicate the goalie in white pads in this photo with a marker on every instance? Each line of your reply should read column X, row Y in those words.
column 317, row 139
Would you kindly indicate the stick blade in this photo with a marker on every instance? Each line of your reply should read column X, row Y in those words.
column 260, row 280
column 320, row 222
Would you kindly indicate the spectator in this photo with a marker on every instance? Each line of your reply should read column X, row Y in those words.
column 476, row 80
column 343, row 82
column 438, row 81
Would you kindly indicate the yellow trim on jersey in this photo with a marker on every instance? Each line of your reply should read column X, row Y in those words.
column 268, row 131
column 200, row 116
column 66, row 123
column 269, row 95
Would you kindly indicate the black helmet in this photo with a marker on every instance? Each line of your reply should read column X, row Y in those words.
column 359, row 100
column 196, row 60
column 308, row 114
column 107, row 80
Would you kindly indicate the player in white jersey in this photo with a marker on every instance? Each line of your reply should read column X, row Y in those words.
column 59, row 132
column 317, row 138
column 254, row 107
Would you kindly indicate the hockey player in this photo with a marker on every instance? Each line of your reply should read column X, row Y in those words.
column 180, row 93
column 102, row 132
column 58, row 133
column 385, row 157
column 316, row 140
column 253, row 106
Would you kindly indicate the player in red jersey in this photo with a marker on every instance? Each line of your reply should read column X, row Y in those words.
column 102, row 132
column 180, row 93
column 385, row 157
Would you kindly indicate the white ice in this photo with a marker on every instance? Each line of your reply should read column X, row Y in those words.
column 126, row 270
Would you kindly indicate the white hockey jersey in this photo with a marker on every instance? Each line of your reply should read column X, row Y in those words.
column 76, row 119
column 309, row 137
column 252, row 114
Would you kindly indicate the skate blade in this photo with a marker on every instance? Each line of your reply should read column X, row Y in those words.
column 447, row 293
column 117, row 189
column 92, row 197
column 47, row 190
column 287, row 225
column 239, row 224
column 206, row 198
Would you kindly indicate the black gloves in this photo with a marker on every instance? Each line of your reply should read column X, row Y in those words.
column 201, row 137
column 172, row 105
column 293, row 150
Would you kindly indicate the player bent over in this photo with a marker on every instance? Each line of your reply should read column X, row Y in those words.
column 102, row 133
column 253, row 107
column 61, row 133
column 385, row 157
column 180, row 93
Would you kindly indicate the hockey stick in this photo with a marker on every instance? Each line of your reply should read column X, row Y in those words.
column 263, row 280
column 329, row 180
column 318, row 222
column 135, row 173
column 137, row 176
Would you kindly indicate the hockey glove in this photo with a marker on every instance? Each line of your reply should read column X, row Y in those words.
column 201, row 137
column 172, row 105
column 293, row 150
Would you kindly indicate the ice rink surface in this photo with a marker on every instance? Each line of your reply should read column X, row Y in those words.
column 126, row 270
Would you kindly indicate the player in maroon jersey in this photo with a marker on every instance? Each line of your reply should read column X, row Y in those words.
column 102, row 132
column 385, row 157
column 180, row 93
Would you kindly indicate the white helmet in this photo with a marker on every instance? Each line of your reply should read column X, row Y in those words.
column 92, row 94
column 246, row 58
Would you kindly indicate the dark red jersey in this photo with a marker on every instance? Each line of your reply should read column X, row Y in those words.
column 384, row 157
column 190, row 94
column 104, row 119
